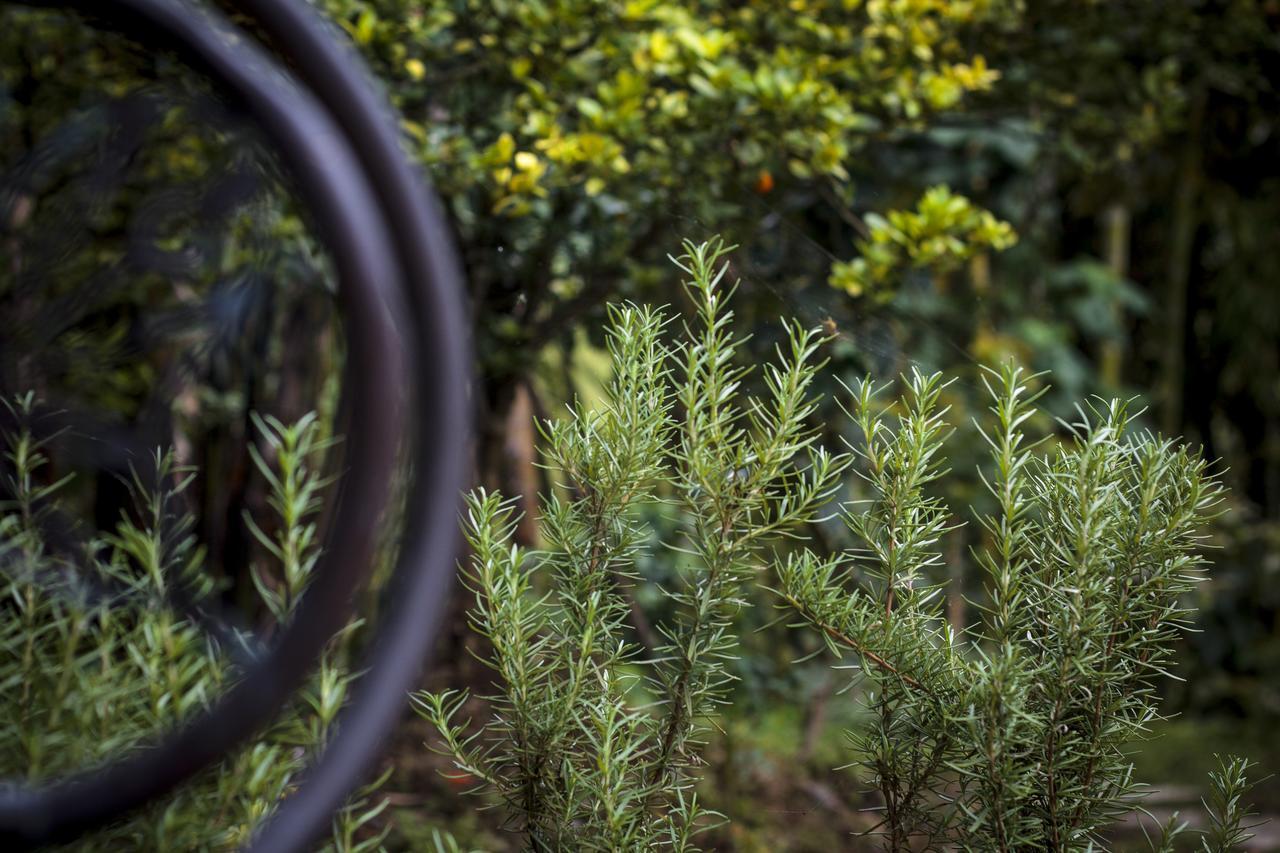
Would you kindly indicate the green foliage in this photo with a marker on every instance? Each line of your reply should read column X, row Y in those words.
column 1011, row 734
column 95, row 132
column 570, row 137
column 443, row 842
column 1228, row 813
column 942, row 231
column 295, row 497
column 1015, row 738
column 96, row 661
column 577, row 754
column 617, row 100
column 618, row 117
column 1110, row 81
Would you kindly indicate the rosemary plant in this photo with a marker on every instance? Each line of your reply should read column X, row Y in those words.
column 1012, row 736
column 95, row 660
column 1008, row 735
column 589, row 746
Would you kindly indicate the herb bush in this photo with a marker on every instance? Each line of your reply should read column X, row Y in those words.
column 589, row 747
column 94, row 660
column 1012, row 734
column 1009, row 734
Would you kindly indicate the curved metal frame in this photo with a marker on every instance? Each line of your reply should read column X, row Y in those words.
column 389, row 241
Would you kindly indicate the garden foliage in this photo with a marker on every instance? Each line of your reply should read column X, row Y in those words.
column 1009, row 734
column 592, row 745
column 96, row 659
column 573, row 139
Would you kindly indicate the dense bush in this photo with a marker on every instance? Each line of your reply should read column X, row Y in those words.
column 96, row 660
column 1012, row 734
column 574, row 139
column 591, row 747
column 1007, row 735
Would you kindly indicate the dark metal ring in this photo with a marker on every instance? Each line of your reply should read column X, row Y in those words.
column 398, row 273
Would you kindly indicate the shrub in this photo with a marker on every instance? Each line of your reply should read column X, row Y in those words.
column 1009, row 735
column 569, row 137
column 589, row 747
column 1012, row 735
column 96, row 660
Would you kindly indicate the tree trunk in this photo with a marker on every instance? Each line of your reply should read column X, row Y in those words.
column 1115, row 224
column 1185, row 218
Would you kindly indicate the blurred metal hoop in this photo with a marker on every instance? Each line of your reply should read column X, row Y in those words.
column 400, row 291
